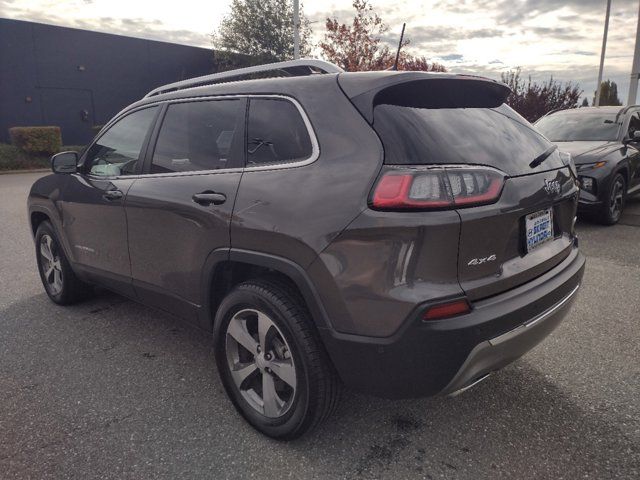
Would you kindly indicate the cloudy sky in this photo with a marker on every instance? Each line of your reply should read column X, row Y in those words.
column 544, row 37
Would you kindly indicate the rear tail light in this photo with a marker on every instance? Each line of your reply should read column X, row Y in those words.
column 437, row 187
column 446, row 310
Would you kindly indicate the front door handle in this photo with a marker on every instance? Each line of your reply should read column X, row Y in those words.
column 209, row 198
column 112, row 195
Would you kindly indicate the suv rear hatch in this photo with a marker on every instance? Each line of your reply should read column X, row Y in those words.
column 451, row 143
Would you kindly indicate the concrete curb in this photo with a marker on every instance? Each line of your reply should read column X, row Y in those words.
column 35, row 170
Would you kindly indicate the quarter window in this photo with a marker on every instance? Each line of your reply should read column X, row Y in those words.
column 200, row 135
column 117, row 151
column 276, row 133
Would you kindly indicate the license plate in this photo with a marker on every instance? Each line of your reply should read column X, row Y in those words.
column 539, row 228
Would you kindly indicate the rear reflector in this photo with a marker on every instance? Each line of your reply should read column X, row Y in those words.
column 446, row 310
column 437, row 188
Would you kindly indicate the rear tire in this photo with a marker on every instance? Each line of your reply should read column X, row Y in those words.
column 613, row 205
column 57, row 276
column 271, row 361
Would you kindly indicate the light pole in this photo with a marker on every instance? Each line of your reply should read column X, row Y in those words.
column 296, row 30
column 635, row 68
column 596, row 102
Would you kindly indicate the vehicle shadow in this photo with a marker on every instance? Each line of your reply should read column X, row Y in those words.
column 121, row 390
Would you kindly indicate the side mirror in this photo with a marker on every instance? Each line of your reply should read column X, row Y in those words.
column 64, row 162
column 632, row 137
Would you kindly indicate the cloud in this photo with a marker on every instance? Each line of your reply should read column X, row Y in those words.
column 152, row 29
column 560, row 33
column 452, row 57
column 422, row 34
column 514, row 12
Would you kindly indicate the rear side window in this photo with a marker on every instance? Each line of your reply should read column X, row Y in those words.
column 276, row 133
column 497, row 137
column 203, row 135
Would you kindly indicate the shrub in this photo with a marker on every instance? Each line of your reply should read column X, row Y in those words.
column 72, row 148
column 37, row 140
column 13, row 158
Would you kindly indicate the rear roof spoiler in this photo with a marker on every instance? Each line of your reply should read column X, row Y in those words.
column 421, row 89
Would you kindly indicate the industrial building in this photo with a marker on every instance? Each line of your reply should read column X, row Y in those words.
column 78, row 79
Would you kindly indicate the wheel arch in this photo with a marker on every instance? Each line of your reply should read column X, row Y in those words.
column 226, row 268
column 39, row 213
column 36, row 217
column 623, row 169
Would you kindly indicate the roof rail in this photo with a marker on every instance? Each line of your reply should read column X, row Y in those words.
column 294, row 68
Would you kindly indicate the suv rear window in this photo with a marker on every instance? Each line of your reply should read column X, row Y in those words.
column 497, row 137
column 276, row 133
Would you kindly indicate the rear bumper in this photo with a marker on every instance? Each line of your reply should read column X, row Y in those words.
column 499, row 351
column 444, row 356
column 588, row 201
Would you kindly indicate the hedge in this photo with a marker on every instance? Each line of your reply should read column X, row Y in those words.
column 14, row 158
column 45, row 140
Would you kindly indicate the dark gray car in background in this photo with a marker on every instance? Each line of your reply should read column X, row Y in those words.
column 605, row 145
column 400, row 233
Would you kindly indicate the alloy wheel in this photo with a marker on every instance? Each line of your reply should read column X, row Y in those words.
column 260, row 362
column 617, row 199
column 51, row 264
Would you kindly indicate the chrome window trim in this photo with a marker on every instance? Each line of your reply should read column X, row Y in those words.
column 315, row 147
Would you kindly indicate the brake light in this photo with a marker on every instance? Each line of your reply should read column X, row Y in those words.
column 446, row 310
column 437, row 188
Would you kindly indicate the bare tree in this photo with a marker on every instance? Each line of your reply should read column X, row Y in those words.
column 532, row 100
column 359, row 46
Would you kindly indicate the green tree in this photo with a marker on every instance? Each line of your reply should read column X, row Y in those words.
column 262, row 29
column 608, row 94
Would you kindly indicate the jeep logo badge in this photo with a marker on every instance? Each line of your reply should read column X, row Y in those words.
column 552, row 187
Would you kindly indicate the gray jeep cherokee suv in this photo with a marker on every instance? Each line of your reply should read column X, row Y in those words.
column 400, row 233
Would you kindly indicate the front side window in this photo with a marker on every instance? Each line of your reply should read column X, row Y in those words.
column 200, row 135
column 276, row 133
column 117, row 152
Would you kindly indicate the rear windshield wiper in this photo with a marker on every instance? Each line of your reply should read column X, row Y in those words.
column 543, row 156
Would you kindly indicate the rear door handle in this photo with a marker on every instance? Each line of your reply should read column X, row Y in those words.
column 209, row 198
column 112, row 195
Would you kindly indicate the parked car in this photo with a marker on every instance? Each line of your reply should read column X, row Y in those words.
column 401, row 233
column 605, row 145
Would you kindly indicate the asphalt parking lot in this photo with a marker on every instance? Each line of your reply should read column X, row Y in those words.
column 112, row 389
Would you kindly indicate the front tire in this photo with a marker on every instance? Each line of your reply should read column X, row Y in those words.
column 271, row 362
column 614, row 203
column 58, row 278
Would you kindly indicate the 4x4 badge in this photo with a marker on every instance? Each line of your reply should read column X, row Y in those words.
column 552, row 187
column 480, row 261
